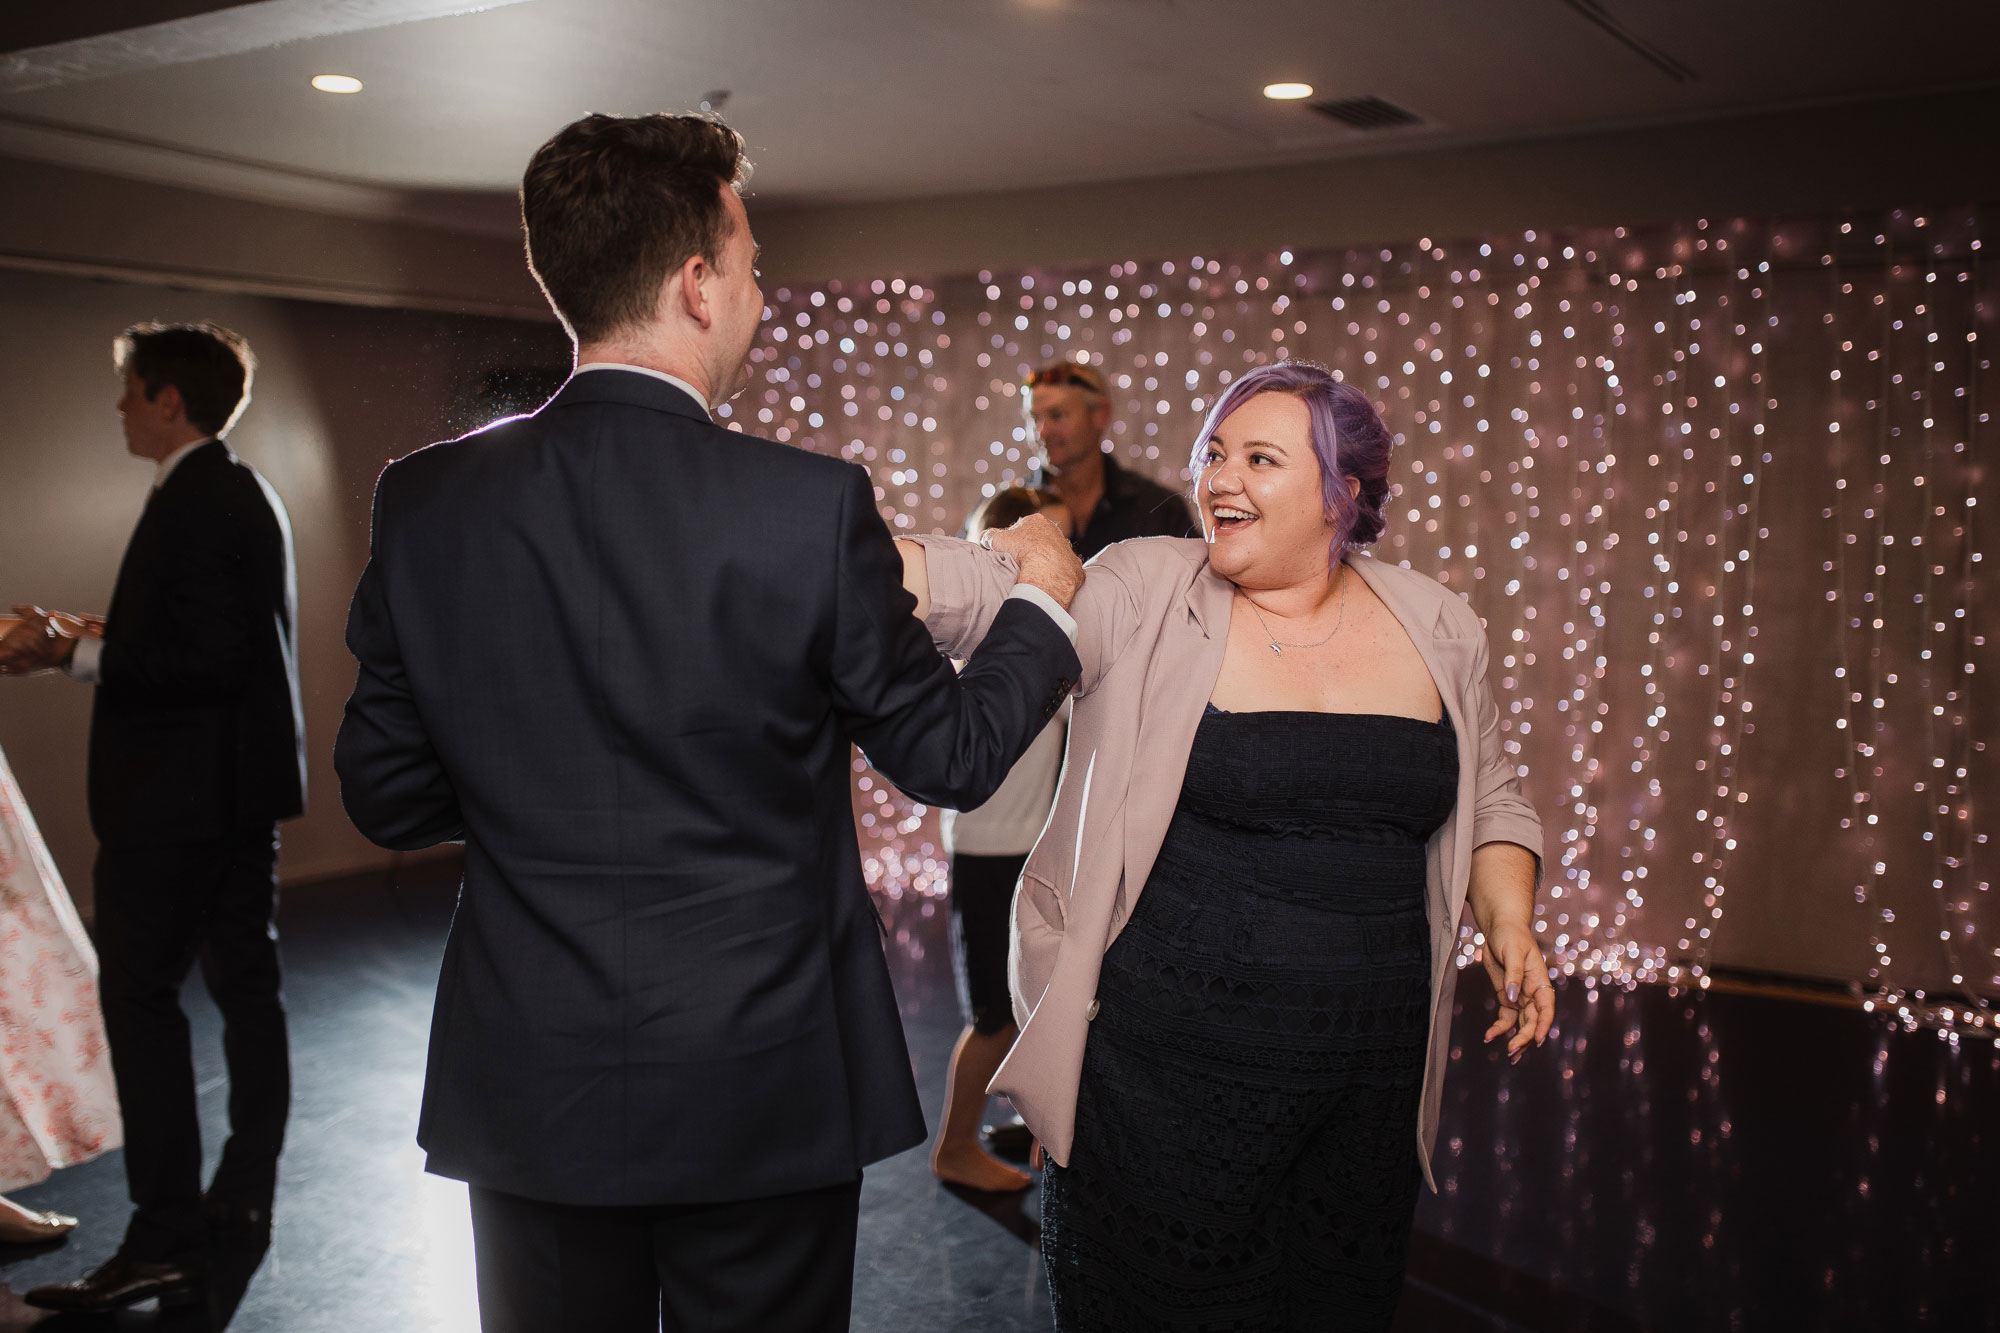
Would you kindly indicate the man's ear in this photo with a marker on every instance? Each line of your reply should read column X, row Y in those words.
column 686, row 293
column 170, row 402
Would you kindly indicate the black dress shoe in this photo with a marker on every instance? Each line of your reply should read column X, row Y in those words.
column 120, row 1281
column 1009, row 1138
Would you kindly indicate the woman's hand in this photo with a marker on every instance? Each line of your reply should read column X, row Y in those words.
column 1502, row 897
column 1521, row 980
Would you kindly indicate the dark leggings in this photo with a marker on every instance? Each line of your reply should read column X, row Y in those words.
column 982, row 911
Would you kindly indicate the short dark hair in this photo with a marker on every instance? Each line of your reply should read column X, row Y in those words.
column 210, row 365
column 614, row 204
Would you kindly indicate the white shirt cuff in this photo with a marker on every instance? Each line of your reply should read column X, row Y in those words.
column 83, row 663
column 1028, row 592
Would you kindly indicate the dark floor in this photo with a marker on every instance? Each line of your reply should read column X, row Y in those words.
column 1668, row 1162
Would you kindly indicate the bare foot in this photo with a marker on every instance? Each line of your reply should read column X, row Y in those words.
column 973, row 1168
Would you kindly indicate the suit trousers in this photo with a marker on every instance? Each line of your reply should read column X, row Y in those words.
column 776, row 1265
column 160, row 909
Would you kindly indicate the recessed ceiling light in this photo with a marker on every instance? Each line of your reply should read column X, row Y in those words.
column 1287, row 92
column 336, row 83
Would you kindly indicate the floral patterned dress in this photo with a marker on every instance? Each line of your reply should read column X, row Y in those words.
column 57, row 1103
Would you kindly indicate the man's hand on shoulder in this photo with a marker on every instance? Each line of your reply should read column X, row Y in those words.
column 1042, row 555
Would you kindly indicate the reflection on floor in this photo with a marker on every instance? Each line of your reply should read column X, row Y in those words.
column 1667, row 1162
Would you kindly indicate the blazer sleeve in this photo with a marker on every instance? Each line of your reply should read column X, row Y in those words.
column 211, row 612
column 969, row 586
column 1501, row 812
column 945, row 738
column 392, row 782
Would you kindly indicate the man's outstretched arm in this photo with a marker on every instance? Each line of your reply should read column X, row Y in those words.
column 944, row 738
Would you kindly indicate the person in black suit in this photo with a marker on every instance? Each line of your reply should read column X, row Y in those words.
column 623, row 654
column 197, row 751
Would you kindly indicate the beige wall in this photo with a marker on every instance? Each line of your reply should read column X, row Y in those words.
column 58, row 219
column 339, row 392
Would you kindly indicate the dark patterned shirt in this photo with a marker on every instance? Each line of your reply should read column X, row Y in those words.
column 1131, row 506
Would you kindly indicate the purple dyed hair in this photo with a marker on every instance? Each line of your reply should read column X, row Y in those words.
column 1348, row 435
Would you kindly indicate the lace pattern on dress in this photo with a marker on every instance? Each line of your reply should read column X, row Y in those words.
column 1245, row 1152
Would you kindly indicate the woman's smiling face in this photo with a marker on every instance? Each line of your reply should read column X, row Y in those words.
column 1262, row 509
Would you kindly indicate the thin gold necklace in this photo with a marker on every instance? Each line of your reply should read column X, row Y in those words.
column 1278, row 647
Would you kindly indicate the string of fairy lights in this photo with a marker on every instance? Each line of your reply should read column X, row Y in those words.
column 1682, row 472
column 1924, row 383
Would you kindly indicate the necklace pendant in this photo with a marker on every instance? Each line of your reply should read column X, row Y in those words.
column 1277, row 651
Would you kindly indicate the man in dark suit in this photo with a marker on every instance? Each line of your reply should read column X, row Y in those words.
column 623, row 653
column 197, row 751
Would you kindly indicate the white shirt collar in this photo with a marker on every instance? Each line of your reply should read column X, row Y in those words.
column 173, row 460
column 674, row 380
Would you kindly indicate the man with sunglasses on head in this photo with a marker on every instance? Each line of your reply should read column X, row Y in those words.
column 1069, row 413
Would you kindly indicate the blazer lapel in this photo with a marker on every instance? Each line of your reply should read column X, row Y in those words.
column 1450, row 661
column 1183, row 672
column 138, row 551
column 1448, row 657
column 138, row 561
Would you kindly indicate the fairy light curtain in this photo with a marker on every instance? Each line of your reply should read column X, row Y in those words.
column 1715, row 489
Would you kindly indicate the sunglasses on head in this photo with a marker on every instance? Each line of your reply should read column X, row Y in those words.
column 1064, row 373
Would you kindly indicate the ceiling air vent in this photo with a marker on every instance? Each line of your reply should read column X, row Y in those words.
column 1366, row 113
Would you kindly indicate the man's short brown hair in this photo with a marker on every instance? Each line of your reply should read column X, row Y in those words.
column 210, row 365
column 614, row 204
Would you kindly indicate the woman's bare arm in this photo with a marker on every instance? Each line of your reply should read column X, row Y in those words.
column 1502, row 897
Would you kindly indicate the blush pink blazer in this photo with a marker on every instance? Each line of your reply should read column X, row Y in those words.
column 1152, row 621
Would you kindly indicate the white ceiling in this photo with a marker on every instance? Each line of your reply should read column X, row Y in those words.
column 858, row 99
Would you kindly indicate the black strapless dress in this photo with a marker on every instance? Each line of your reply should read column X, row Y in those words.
column 1245, row 1154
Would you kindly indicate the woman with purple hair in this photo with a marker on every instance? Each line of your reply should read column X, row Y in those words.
column 1233, row 942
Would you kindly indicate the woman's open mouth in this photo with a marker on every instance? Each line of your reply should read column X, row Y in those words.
column 1228, row 518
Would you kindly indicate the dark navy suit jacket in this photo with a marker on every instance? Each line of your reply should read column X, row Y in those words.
column 196, row 732
column 622, row 653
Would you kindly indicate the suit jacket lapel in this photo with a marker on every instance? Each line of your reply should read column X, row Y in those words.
column 137, row 561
